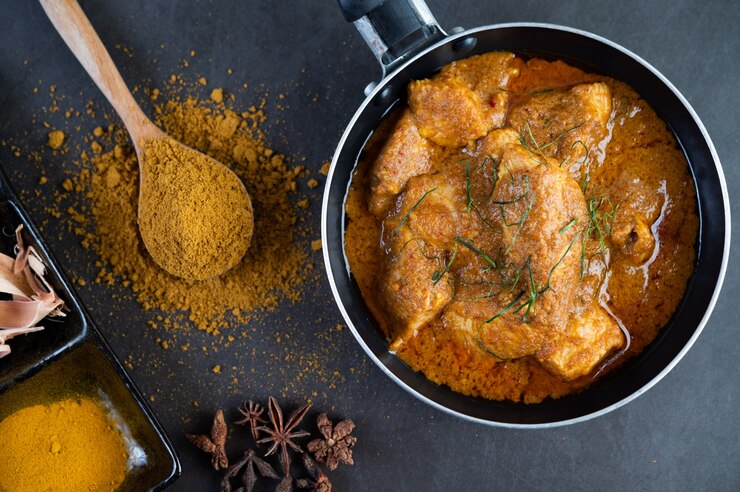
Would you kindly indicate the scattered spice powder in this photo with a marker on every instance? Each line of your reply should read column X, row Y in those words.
column 217, row 95
column 273, row 267
column 68, row 445
column 56, row 139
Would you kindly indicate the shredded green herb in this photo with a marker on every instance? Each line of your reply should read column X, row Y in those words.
column 532, row 156
column 568, row 226
column 463, row 242
column 531, row 135
column 402, row 248
column 585, row 158
column 467, row 185
column 518, row 198
column 560, row 135
column 437, row 274
column 538, row 91
column 534, row 294
column 486, row 349
column 495, row 181
column 405, row 217
column 520, row 223
column 483, row 219
column 600, row 224
column 515, row 281
column 505, row 308
column 540, row 148
column 586, row 181
column 567, row 250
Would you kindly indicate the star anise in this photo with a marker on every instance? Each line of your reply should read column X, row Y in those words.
column 318, row 482
column 252, row 413
column 285, row 485
column 215, row 444
column 249, row 476
column 282, row 434
column 336, row 447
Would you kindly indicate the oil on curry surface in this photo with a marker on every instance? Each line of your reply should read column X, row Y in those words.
column 520, row 228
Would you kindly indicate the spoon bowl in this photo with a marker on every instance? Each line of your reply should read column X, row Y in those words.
column 206, row 228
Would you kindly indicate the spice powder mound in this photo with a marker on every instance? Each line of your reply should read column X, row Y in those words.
column 194, row 215
column 66, row 446
column 271, row 268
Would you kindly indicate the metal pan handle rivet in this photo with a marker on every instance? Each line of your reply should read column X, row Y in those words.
column 369, row 88
column 465, row 44
column 383, row 98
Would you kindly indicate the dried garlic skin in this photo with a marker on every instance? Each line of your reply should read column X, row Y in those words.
column 195, row 216
column 32, row 297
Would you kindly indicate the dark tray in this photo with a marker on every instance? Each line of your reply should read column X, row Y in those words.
column 72, row 355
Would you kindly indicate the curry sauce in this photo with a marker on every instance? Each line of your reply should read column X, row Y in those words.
column 519, row 228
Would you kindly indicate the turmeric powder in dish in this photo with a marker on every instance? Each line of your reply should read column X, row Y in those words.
column 194, row 215
column 65, row 446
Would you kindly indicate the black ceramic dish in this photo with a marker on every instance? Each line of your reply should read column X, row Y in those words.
column 70, row 357
column 410, row 45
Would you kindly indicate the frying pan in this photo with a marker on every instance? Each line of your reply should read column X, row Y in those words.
column 409, row 44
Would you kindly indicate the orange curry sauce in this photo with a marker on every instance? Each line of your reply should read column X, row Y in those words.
column 630, row 251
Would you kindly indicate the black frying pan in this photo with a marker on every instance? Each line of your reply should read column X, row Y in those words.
column 409, row 45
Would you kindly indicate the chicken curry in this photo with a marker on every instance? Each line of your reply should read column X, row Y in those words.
column 519, row 228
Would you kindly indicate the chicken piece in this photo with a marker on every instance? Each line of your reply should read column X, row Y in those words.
column 487, row 75
column 448, row 111
column 440, row 216
column 568, row 126
column 404, row 155
column 409, row 293
column 464, row 102
column 543, row 212
column 414, row 285
column 587, row 340
column 632, row 234
column 494, row 144
column 505, row 338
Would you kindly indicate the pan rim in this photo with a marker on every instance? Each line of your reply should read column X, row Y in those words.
column 557, row 423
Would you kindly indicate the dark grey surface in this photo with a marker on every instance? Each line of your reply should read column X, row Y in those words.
column 681, row 435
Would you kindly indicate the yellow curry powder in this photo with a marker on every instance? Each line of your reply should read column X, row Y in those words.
column 194, row 215
column 56, row 139
column 68, row 445
column 273, row 266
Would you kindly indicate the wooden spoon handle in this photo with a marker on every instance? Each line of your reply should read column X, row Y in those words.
column 74, row 27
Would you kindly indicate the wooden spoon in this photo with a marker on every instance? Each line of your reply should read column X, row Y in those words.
column 194, row 214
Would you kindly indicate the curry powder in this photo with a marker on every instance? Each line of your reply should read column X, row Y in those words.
column 66, row 446
column 194, row 215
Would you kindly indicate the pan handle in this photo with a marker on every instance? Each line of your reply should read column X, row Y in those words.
column 395, row 30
